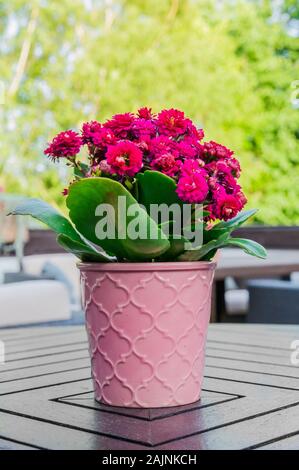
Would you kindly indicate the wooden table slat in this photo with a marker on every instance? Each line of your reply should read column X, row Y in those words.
column 285, row 443
column 250, row 397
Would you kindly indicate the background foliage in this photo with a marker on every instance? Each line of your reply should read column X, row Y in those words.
column 230, row 65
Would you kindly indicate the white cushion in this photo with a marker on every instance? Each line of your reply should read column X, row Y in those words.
column 8, row 264
column 236, row 301
column 33, row 302
column 33, row 264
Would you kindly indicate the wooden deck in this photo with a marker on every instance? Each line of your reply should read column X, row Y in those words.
column 250, row 398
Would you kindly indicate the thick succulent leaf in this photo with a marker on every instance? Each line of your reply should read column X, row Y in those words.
column 178, row 242
column 206, row 251
column 166, row 226
column 237, row 221
column 229, row 226
column 214, row 234
column 82, row 251
column 249, row 246
column 86, row 195
column 177, row 247
column 48, row 215
column 194, row 227
column 210, row 255
column 156, row 188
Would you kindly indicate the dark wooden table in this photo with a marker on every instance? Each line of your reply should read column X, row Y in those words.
column 250, row 396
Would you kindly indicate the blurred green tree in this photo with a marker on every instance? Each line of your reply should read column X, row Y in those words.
column 291, row 9
column 229, row 66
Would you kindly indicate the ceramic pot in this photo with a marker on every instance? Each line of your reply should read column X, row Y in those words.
column 147, row 326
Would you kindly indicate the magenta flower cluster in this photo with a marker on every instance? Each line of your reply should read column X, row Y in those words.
column 169, row 142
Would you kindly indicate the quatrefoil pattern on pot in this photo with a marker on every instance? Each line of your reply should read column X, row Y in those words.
column 147, row 334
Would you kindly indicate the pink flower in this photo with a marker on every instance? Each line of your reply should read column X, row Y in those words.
column 99, row 168
column 190, row 167
column 161, row 145
column 142, row 128
column 65, row 144
column 172, row 122
column 213, row 182
column 143, row 143
column 121, row 124
column 167, row 164
column 193, row 131
column 104, row 137
column 211, row 217
column 188, row 147
column 234, row 166
column 241, row 197
column 218, row 168
column 145, row 113
column 125, row 158
column 229, row 183
column 97, row 137
column 221, row 174
column 104, row 167
column 192, row 187
column 90, row 132
column 226, row 206
column 215, row 150
column 200, row 134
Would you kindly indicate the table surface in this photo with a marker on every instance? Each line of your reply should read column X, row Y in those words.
column 250, row 395
column 236, row 263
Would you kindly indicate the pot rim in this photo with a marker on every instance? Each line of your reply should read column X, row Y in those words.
column 149, row 266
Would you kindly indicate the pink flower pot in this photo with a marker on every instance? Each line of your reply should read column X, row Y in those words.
column 147, row 326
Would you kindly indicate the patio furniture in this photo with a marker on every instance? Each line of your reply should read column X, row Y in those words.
column 42, row 241
column 237, row 264
column 271, row 236
column 283, row 259
column 281, row 237
column 29, row 302
column 47, row 290
column 65, row 265
column 13, row 230
column 274, row 301
column 236, row 302
column 250, row 398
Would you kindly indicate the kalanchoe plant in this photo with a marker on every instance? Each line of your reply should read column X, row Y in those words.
column 147, row 159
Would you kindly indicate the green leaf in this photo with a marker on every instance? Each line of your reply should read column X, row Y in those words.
column 48, row 215
column 227, row 227
column 68, row 237
column 178, row 242
column 82, row 251
column 206, row 249
column 237, row 221
column 213, row 234
column 194, row 226
column 156, row 188
column 205, row 213
column 249, row 246
column 177, row 247
column 167, row 225
column 87, row 194
column 81, row 172
column 209, row 256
